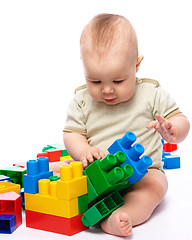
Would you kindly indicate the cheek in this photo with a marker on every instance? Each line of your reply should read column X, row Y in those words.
column 127, row 92
column 94, row 92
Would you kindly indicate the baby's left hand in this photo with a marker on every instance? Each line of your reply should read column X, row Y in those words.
column 164, row 127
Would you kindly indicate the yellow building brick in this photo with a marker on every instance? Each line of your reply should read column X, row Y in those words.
column 72, row 183
column 46, row 201
column 65, row 158
column 8, row 187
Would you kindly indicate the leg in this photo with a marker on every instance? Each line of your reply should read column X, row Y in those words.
column 139, row 204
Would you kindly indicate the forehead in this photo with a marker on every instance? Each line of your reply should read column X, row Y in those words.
column 112, row 65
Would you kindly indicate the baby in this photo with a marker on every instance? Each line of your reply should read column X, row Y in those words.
column 115, row 101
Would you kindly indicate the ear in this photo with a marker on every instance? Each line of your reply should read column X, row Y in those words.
column 139, row 60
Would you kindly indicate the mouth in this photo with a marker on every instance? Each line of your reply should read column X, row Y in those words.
column 110, row 100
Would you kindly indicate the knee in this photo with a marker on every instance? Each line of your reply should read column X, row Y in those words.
column 159, row 186
column 155, row 184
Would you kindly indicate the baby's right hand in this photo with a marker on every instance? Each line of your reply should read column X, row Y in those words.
column 89, row 154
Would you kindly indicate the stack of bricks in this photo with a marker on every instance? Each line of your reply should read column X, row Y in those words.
column 133, row 154
column 15, row 173
column 10, row 201
column 10, row 210
column 56, row 206
column 54, row 152
column 105, row 178
column 170, row 161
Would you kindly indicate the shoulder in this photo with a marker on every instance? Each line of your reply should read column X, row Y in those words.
column 81, row 95
column 146, row 87
column 147, row 82
column 80, row 88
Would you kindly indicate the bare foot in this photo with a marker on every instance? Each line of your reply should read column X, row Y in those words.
column 118, row 223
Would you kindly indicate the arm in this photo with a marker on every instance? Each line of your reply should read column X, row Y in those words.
column 173, row 129
column 79, row 149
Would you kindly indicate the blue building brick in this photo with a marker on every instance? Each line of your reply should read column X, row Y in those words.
column 36, row 170
column 133, row 153
column 7, row 223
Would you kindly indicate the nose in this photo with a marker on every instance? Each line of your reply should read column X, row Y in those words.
column 107, row 89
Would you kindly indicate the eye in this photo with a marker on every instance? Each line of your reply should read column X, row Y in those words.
column 118, row 81
column 96, row 82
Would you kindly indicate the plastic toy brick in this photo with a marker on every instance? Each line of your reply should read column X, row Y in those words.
column 54, row 146
column 43, row 154
column 8, row 187
column 5, row 178
column 92, row 193
column 133, row 153
column 65, row 158
column 7, row 223
column 54, row 178
column 102, row 209
column 171, row 161
column 168, row 147
column 15, row 173
column 46, row 201
column 36, row 170
column 57, row 146
column 46, row 222
column 83, row 203
column 106, row 175
column 72, row 182
column 10, row 203
column 22, row 164
column 52, row 154
column 47, row 148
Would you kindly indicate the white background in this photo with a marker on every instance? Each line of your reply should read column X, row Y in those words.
column 40, row 67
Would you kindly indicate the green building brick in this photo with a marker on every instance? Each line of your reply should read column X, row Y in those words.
column 106, row 175
column 92, row 194
column 83, row 203
column 102, row 209
column 57, row 146
column 15, row 174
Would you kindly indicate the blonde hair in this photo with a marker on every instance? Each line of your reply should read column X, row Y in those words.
column 104, row 30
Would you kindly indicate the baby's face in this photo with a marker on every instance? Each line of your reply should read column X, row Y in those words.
column 111, row 79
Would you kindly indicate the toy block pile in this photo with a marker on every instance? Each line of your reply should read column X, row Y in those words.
column 112, row 174
column 54, row 152
column 105, row 177
column 170, row 161
column 15, row 174
column 11, row 180
column 78, row 199
column 55, row 206
column 10, row 212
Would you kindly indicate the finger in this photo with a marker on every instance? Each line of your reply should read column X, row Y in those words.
column 172, row 131
column 96, row 154
column 102, row 155
column 57, row 174
column 68, row 161
column 168, row 124
column 151, row 124
column 84, row 162
column 89, row 157
column 160, row 119
column 173, row 139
